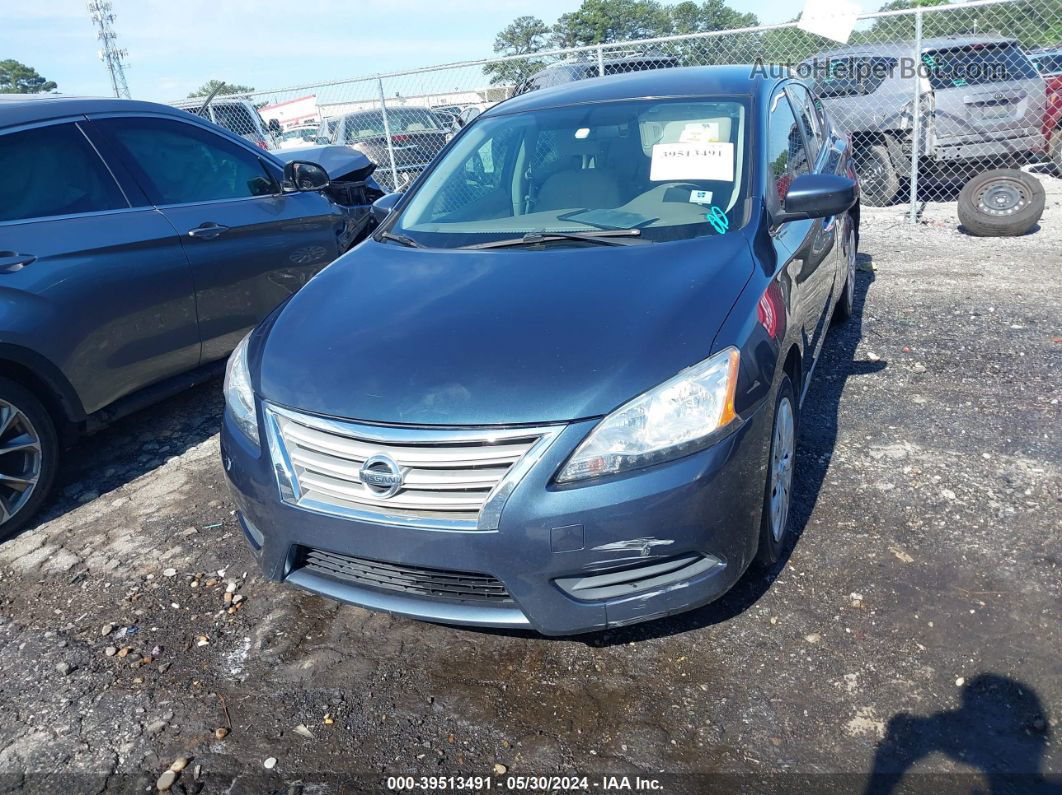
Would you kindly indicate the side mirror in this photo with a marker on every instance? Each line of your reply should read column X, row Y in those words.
column 274, row 127
column 467, row 114
column 816, row 196
column 382, row 207
column 300, row 175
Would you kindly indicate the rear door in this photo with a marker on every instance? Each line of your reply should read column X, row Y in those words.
column 985, row 92
column 99, row 287
column 250, row 246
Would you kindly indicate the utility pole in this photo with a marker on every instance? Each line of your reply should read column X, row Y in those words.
column 110, row 53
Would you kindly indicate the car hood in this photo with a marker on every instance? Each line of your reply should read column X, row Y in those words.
column 339, row 162
column 442, row 337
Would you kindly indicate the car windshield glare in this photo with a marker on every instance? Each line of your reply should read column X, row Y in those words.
column 671, row 169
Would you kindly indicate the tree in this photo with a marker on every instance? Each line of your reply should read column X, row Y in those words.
column 208, row 87
column 17, row 78
column 523, row 36
column 604, row 21
column 712, row 15
column 688, row 17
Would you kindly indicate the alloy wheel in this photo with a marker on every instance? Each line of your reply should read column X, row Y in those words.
column 782, row 454
column 20, row 460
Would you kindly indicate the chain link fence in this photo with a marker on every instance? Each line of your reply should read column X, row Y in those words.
column 931, row 97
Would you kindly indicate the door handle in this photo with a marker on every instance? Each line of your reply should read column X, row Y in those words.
column 208, row 231
column 11, row 261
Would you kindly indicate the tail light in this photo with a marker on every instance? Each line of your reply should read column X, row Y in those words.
column 399, row 139
column 262, row 145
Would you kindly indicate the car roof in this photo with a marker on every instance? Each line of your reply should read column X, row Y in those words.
column 896, row 48
column 29, row 108
column 686, row 81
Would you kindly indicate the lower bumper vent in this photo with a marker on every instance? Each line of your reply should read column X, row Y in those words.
column 413, row 580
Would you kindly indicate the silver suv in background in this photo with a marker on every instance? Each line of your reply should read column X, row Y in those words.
column 236, row 114
column 982, row 106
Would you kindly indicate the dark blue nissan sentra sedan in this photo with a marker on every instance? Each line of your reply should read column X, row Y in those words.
column 560, row 386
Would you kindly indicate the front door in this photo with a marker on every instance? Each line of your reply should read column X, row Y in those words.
column 250, row 246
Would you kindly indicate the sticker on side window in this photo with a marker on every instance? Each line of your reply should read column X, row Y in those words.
column 674, row 162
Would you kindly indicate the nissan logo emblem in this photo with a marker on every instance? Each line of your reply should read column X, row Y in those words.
column 381, row 476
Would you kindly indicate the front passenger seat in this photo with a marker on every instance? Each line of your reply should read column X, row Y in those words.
column 578, row 187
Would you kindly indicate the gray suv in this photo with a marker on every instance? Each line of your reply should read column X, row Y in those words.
column 981, row 101
column 138, row 244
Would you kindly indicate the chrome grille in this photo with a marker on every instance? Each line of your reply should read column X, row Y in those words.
column 450, row 478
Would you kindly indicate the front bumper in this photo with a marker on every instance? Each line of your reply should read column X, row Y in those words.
column 554, row 548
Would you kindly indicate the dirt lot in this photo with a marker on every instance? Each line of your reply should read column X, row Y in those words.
column 916, row 625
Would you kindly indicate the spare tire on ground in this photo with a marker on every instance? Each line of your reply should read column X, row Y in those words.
column 1004, row 202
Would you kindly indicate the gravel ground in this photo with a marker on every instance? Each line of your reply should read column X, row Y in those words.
column 915, row 626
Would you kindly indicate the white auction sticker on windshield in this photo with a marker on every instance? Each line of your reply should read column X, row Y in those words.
column 697, row 132
column 673, row 162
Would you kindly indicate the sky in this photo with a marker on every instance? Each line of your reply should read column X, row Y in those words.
column 174, row 47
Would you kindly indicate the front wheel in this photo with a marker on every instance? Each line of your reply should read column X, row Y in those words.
column 878, row 181
column 774, row 523
column 846, row 300
column 29, row 453
column 1054, row 150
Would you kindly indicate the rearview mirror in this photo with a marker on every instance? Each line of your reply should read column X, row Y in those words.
column 300, row 175
column 816, row 196
column 382, row 207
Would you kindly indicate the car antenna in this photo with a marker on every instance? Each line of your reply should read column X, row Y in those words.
column 210, row 98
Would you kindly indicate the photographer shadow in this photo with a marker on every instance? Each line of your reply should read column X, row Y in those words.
column 1001, row 730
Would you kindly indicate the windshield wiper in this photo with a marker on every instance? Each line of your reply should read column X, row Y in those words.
column 405, row 241
column 533, row 238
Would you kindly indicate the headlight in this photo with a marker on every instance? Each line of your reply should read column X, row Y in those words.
column 239, row 397
column 668, row 421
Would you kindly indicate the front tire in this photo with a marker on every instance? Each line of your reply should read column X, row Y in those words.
column 1054, row 150
column 29, row 455
column 878, row 181
column 781, row 462
column 846, row 300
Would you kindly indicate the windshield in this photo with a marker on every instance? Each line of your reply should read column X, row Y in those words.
column 299, row 133
column 670, row 169
column 358, row 126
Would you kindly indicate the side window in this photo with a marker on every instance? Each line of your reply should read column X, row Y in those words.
column 787, row 157
column 183, row 163
column 809, row 119
column 53, row 170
